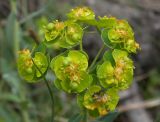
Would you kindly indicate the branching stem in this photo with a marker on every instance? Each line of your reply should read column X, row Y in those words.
column 85, row 118
column 49, row 89
column 81, row 46
column 95, row 59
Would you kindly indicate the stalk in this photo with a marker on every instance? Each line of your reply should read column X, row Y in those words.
column 49, row 90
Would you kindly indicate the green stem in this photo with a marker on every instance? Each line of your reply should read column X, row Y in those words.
column 85, row 119
column 81, row 46
column 97, row 56
column 49, row 89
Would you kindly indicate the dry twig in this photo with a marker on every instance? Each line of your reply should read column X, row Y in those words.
column 145, row 104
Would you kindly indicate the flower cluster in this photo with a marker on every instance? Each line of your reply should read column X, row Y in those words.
column 96, row 86
column 65, row 34
column 71, row 71
column 98, row 101
column 81, row 13
column 119, row 36
column 117, row 72
column 29, row 67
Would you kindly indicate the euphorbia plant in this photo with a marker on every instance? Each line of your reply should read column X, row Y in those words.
column 97, row 85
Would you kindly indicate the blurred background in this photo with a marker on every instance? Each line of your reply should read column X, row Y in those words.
column 21, row 23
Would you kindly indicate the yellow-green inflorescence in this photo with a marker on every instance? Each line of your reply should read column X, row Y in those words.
column 116, row 73
column 99, row 101
column 65, row 34
column 71, row 71
column 96, row 87
column 29, row 67
column 81, row 13
column 119, row 35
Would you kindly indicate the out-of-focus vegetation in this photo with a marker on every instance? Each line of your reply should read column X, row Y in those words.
column 21, row 27
column 21, row 24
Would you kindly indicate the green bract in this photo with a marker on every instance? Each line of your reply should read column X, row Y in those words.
column 25, row 65
column 71, row 71
column 81, row 13
column 118, row 75
column 41, row 63
column 100, row 101
column 65, row 34
column 53, row 31
column 73, row 35
column 29, row 67
column 120, row 36
column 107, row 22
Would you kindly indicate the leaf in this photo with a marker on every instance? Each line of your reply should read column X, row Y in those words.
column 117, row 54
column 105, row 70
column 73, row 33
column 92, row 22
column 57, row 83
column 12, row 80
column 57, row 62
column 42, row 63
column 80, row 98
column 10, row 97
column 104, row 36
column 6, row 115
column 93, row 89
column 40, row 48
column 12, row 30
column 85, row 82
column 110, row 117
column 13, row 33
column 80, row 58
column 76, row 118
column 108, row 57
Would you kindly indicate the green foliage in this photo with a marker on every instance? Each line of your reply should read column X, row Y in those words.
column 76, row 118
column 97, row 89
column 108, row 118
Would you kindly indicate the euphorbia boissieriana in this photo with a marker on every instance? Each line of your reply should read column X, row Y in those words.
column 96, row 86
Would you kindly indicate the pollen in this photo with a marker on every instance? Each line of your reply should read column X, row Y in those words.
column 100, row 98
column 118, row 72
column 72, row 71
column 137, row 46
column 29, row 62
column 75, row 78
column 71, row 30
column 25, row 52
column 103, row 111
column 120, row 63
column 79, row 12
column 59, row 25
column 121, row 32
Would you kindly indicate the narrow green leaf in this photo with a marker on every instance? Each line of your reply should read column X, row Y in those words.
column 76, row 118
column 104, row 36
column 10, row 97
column 110, row 117
column 40, row 48
column 13, row 33
column 108, row 57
